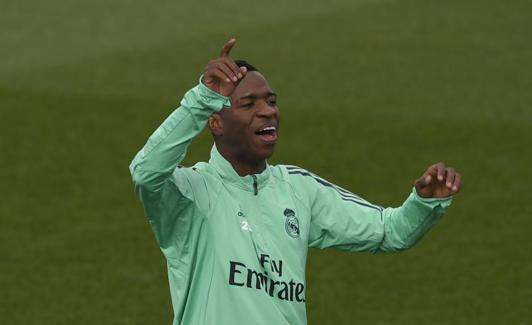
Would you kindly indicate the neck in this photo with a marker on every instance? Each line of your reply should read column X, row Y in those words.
column 241, row 165
column 243, row 169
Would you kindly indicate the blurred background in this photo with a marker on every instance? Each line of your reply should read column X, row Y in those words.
column 371, row 92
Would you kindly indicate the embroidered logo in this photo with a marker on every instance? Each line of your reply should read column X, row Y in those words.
column 291, row 224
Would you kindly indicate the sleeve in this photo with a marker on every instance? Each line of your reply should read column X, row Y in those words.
column 164, row 190
column 347, row 222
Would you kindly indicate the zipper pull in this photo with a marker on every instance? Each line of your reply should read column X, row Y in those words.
column 255, row 185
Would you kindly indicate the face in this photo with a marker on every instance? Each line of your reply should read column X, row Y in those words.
column 251, row 125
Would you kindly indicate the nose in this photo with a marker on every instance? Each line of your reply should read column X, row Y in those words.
column 267, row 110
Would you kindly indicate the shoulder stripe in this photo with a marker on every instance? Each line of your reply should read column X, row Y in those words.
column 338, row 188
column 344, row 194
column 294, row 168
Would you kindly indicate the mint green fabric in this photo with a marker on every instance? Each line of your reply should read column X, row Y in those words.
column 236, row 247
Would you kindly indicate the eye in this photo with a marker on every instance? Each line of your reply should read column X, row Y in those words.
column 247, row 105
column 272, row 102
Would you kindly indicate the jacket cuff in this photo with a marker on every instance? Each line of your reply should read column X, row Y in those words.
column 431, row 203
column 210, row 97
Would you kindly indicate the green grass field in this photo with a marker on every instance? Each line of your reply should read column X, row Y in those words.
column 371, row 93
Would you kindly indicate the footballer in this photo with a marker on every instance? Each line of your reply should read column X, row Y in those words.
column 235, row 231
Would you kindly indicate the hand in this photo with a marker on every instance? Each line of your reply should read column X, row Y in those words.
column 438, row 181
column 222, row 74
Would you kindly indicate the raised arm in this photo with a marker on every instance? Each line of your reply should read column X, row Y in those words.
column 154, row 170
column 167, row 146
column 345, row 221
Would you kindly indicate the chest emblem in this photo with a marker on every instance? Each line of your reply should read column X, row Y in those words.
column 291, row 223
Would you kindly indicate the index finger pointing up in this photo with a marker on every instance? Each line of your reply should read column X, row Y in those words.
column 227, row 47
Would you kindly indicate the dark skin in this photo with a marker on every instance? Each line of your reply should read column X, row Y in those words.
column 253, row 108
column 239, row 130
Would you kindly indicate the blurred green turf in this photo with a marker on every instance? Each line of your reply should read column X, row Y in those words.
column 371, row 93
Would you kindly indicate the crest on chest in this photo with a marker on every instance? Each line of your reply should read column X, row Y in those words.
column 291, row 223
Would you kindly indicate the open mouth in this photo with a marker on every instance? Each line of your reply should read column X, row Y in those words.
column 267, row 134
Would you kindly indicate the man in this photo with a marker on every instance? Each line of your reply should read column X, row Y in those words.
column 235, row 231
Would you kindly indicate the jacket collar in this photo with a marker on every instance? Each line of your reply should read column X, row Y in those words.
column 229, row 175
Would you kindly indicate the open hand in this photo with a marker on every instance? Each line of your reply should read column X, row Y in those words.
column 222, row 74
column 438, row 181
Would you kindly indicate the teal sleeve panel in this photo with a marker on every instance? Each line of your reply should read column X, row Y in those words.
column 345, row 221
column 164, row 190
column 406, row 225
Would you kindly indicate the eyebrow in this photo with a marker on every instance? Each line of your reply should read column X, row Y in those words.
column 255, row 97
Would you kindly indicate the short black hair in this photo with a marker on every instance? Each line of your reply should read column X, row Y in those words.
column 244, row 63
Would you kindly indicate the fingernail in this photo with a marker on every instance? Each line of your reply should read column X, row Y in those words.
column 235, row 79
column 440, row 177
column 227, row 79
column 427, row 179
column 455, row 188
column 239, row 75
column 449, row 184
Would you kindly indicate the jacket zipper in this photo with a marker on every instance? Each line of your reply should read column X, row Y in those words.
column 255, row 185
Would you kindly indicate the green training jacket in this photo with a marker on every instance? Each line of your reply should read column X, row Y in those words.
column 236, row 247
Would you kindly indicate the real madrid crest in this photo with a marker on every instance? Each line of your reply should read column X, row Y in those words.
column 291, row 223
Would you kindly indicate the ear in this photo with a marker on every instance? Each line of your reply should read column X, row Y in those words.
column 216, row 124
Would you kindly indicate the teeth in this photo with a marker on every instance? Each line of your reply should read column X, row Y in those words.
column 268, row 128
